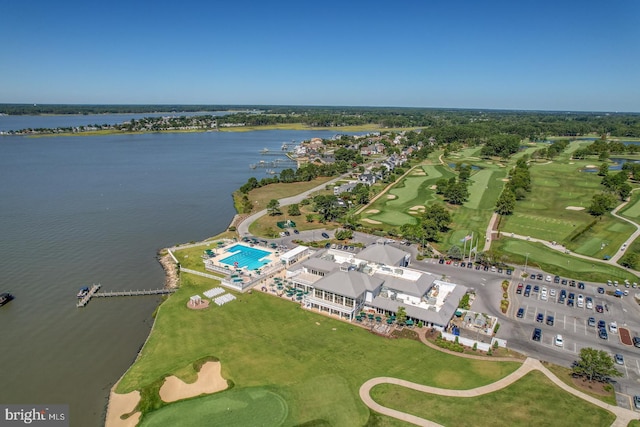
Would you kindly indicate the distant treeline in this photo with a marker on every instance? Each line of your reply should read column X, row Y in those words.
column 469, row 127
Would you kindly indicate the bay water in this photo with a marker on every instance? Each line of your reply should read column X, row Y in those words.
column 81, row 210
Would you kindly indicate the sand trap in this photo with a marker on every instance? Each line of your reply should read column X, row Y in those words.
column 417, row 207
column 372, row 211
column 121, row 404
column 575, row 208
column 505, row 179
column 591, row 166
column 209, row 381
column 371, row 221
column 419, row 174
column 433, row 187
column 391, row 196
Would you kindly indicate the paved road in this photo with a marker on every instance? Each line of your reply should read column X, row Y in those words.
column 623, row 416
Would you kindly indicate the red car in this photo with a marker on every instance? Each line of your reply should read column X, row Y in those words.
column 519, row 290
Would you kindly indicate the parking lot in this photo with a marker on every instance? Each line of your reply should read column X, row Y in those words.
column 571, row 321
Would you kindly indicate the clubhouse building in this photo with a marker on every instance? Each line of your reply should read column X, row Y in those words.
column 377, row 280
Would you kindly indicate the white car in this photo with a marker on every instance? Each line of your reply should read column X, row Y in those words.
column 548, row 279
column 559, row 341
column 589, row 303
column 543, row 294
column 580, row 301
column 552, row 292
column 613, row 327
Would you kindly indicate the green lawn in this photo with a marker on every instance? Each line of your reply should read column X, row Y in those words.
column 532, row 400
column 234, row 408
column 632, row 210
column 515, row 252
column 316, row 364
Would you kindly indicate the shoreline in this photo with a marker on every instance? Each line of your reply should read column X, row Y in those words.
column 172, row 281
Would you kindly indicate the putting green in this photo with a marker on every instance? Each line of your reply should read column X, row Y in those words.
column 236, row 407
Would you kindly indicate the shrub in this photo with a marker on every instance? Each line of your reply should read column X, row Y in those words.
column 495, row 344
column 495, row 331
column 475, row 346
column 232, row 228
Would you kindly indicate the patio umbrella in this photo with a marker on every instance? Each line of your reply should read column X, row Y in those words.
column 378, row 319
column 409, row 322
column 370, row 316
column 389, row 321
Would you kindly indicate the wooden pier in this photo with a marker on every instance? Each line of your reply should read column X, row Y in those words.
column 93, row 293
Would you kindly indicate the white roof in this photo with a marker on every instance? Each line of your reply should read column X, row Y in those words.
column 293, row 252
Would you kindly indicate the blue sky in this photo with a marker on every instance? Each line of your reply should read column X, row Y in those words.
column 547, row 55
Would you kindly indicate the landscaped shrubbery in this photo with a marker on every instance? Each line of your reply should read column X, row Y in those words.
column 449, row 345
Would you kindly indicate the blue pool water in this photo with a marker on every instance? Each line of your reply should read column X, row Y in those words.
column 245, row 256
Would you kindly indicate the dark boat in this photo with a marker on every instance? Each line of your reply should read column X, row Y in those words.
column 5, row 297
column 83, row 292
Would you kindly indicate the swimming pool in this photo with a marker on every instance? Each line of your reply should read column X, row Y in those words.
column 246, row 256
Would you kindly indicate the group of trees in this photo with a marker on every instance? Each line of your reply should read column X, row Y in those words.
column 435, row 220
column 501, row 145
column 516, row 189
column 553, row 150
column 454, row 190
column 615, row 187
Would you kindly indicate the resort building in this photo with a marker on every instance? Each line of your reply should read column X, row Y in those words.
column 375, row 280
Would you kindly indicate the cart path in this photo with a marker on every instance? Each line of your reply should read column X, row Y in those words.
column 623, row 416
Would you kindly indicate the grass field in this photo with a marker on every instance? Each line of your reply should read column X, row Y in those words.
column 316, row 364
column 260, row 197
column 632, row 210
column 235, row 408
column 532, row 400
column 515, row 252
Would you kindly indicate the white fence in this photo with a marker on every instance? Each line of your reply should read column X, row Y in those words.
column 466, row 341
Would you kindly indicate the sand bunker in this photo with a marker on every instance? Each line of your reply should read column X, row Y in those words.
column 433, row 187
column 371, row 221
column 417, row 207
column 505, row 179
column 121, row 404
column 575, row 208
column 391, row 196
column 372, row 211
column 209, row 381
column 591, row 166
column 423, row 173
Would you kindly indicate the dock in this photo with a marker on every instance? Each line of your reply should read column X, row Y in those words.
column 93, row 293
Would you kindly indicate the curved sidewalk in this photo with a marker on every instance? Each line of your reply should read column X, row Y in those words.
column 623, row 416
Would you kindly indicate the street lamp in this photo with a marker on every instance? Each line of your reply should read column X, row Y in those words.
column 525, row 262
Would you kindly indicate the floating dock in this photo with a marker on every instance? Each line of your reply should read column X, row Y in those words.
column 93, row 293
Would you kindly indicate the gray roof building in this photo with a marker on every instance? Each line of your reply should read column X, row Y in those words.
column 351, row 284
column 385, row 254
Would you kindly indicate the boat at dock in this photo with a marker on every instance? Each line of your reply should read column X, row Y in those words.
column 5, row 297
column 83, row 292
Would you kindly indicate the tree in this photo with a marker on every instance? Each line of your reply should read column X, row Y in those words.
column 595, row 364
column 624, row 191
column 456, row 193
column 294, row 210
column 603, row 170
column 326, row 206
column 601, row 204
column 506, row 202
column 273, row 207
column 343, row 234
column 401, row 315
column 309, row 217
column 455, row 252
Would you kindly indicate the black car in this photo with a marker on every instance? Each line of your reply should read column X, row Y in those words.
column 563, row 293
column 325, row 235
column 550, row 320
column 536, row 288
column 286, row 233
column 520, row 313
column 602, row 333
column 572, row 295
column 463, row 264
column 580, row 285
column 556, row 279
column 539, row 276
column 295, row 231
column 602, row 324
column 509, row 271
column 564, row 281
column 636, row 402
column 469, row 265
column 600, row 290
column 441, row 261
column 478, row 267
column 537, row 334
column 636, row 341
column 570, row 303
column 486, row 268
column 540, row 317
column 572, row 283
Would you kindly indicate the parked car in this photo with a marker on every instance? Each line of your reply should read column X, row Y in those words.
column 441, row 261
column 636, row 402
column 602, row 333
column 519, row 289
column 559, row 341
column 539, row 317
column 527, row 290
column 536, row 288
column 570, row 302
column 580, row 301
column 520, row 314
column 636, row 341
column 543, row 294
column 550, row 320
column 602, row 324
column 463, row 264
column 469, row 265
column 556, row 279
column 600, row 290
column 591, row 321
column 539, row 276
column 295, row 231
column 537, row 334
column 572, row 283
column 509, row 271
column 552, row 292
column 547, row 279
column 564, row 281
column 325, row 235
column 599, row 308
column 613, row 327
column 580, row 285
column 619, row 359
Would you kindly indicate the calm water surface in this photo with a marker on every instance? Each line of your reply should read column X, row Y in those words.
column 79, row 210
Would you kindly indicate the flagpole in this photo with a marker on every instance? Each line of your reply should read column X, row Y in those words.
column 464, row 250
column 470, row 246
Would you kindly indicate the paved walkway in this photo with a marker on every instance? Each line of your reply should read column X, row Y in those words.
column 623, row 416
